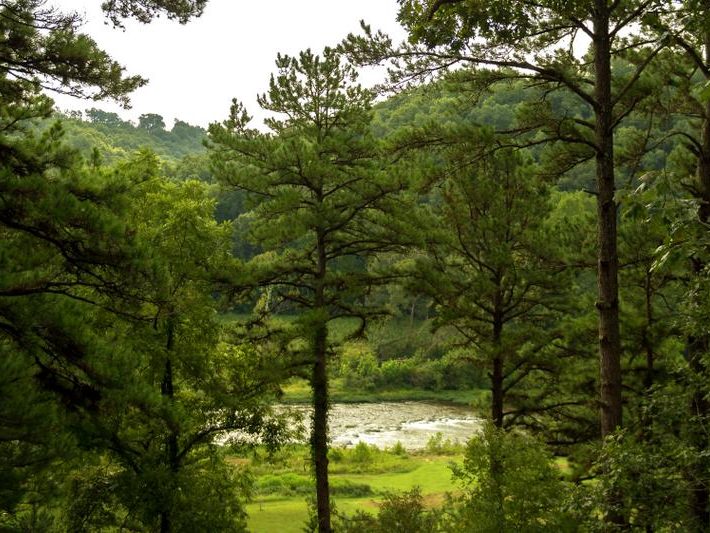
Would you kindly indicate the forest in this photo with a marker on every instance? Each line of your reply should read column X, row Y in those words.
column 512, row 229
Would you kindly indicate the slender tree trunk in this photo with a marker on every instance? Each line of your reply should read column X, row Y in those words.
column 607, row 256
column 497, row 375
column 699, row 344
column 171, row 443
column 319, row 433
column 649, row 377
column 698, row 437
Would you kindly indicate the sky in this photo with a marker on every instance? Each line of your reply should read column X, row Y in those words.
column 196, row 69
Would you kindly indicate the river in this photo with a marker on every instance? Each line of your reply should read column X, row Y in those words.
column 386, row 423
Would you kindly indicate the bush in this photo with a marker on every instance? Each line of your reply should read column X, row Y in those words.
column 436, row 445
column 404, row 338
column 398, row 449
column 350, row 489
column 510, row 484
column 358, row 366
column 287, row 484
column 363, row 453
column 645, row 482
column 403, row 512
column 336, row 454
column 448, row 373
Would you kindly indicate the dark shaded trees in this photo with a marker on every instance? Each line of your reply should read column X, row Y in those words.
column 190, row 384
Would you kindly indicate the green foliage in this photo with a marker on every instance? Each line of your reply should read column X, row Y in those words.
column 152, row 122
column 43, row 48
column 488, row 264
column 398, row 337
column 117, row 376
column 127, row 339
column 437, row 445
column 358, row 366
column 290, row 484
column 509, row 483
column 146, row 10
column 362, row 453
column 181, row 147
column 652, row 468
column 322, row 205
column 650, row 478
column 398, row 449
column 398, row 512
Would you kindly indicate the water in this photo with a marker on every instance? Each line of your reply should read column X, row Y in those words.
column 386, row 423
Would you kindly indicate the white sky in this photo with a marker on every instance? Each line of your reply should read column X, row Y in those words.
column 196, row 69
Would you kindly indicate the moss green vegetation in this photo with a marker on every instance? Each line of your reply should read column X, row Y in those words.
column 298, row 391
column 401, row 360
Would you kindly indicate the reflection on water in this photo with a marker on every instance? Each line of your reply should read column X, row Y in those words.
column 385, row 423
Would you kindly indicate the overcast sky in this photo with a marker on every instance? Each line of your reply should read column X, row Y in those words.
column 196, row 69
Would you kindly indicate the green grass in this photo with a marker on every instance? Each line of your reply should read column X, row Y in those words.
column 286, row 514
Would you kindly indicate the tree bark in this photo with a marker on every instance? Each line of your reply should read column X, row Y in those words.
column 699, row 411
column 650, row 374
column 698, row 345
column 171, row 442
column 319, row 437
column 497, row 375
column 319, row 433
column 607, row 255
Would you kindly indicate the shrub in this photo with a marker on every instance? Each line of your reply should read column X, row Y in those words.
column 398, row 512
column 335, row 454
column 436, row 445
column 286, row 484
column 350, row 489
column 398, row 449
column 509, row 484
column 363, row 453
column 358, row 366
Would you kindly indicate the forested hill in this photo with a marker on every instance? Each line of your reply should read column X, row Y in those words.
column 116, row 138
column 446, row 103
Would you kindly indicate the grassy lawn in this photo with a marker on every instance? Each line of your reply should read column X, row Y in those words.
column 288, row 514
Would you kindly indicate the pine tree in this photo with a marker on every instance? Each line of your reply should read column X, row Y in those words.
column 321, row 208
column 536, row 41
column 483, row 264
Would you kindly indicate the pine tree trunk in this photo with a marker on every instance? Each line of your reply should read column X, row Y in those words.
column 319, row 433
column 607, row 256
column 649, row 376
column 699, row 345
column 319, row 436
column 497, row 375
column 698, row 437
column 167, row 390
